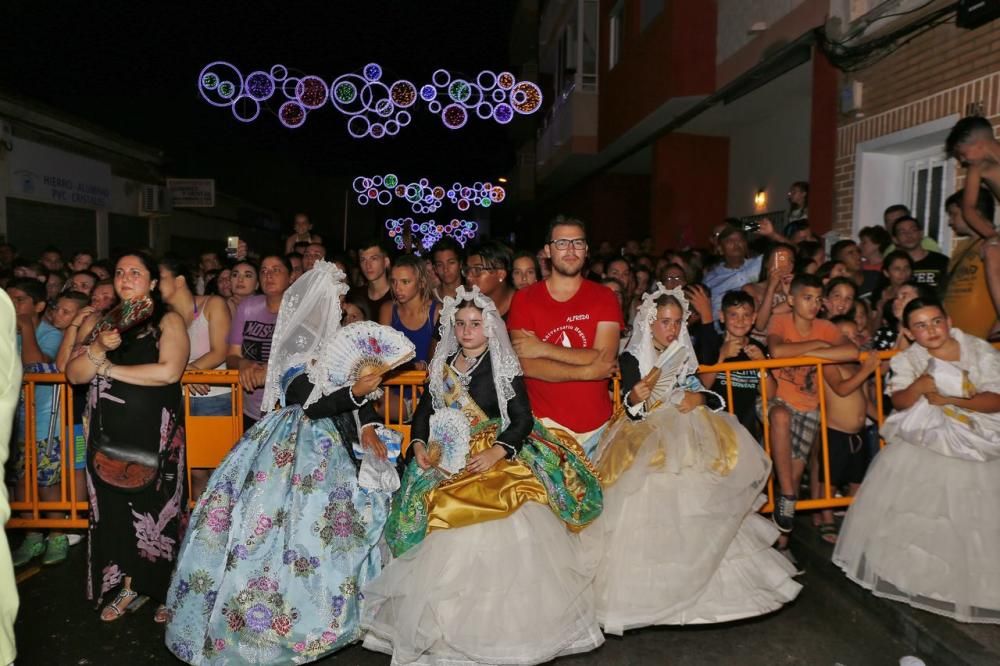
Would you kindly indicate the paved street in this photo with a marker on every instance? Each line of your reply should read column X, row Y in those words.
column 823, row 628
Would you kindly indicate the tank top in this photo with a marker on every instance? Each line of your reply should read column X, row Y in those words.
column 201, row 344
column 421, row 338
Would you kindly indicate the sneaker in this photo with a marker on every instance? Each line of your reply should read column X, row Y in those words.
column 32, row 546
column 56, row 549
column 784, row 513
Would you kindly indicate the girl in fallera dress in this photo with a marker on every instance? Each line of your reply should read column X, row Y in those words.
column 679, row 541
column 924, row 528
column 285, row 534
column 486, row 570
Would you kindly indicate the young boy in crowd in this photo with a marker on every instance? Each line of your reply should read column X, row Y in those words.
column 972, row 142
column 735, row 344
column 793, row 412
column 847, row 408
column 38, row 342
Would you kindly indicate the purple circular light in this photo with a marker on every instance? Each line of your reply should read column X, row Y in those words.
column 312, row 92
column 384, row 108
column 428, row 93
column 486, row 79
column 260, row 86
column 499, row 96
column 279, row 72
column 363, row 199
column 403, row 118
column 391, row 127
column 288, row 87
column 503, row 113
column 292, row 114
column 211, row 78
column 373, row 72
column 484, row 111
column 360, row 184
column 384, row 197
column 358, row 126
column 434, row 107
column 441, row 78
column 246, row 109
column 372, row 94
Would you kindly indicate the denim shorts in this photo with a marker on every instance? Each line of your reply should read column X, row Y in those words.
column 213, row 405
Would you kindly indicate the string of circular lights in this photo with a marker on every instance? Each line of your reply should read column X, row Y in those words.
column 373, row 107
column 423, row 197
column 426, row 234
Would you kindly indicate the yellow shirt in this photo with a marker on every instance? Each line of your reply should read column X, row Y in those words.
column 967, row 299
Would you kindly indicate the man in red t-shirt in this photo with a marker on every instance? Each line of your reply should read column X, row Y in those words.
column 565, row 330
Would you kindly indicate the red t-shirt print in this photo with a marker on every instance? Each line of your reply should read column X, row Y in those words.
column 581, row 406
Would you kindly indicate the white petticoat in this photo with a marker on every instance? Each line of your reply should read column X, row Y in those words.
column 509, row 591
column 925, row 529
column 678, row 543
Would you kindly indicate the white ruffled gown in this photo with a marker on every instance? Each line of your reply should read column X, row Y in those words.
column 679, row 541
column 924, row 528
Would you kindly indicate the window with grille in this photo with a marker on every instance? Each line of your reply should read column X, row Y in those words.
column 928, row 181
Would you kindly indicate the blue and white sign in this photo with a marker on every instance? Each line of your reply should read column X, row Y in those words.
column 43, row 173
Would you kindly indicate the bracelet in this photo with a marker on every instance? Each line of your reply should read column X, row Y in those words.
column 107, row 370
column 96, row 361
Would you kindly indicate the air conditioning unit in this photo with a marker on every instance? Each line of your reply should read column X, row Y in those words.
column 152, row 200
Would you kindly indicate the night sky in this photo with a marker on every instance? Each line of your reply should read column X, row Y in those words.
column 132, row 67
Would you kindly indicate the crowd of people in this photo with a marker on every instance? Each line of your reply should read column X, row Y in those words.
column 301, row 542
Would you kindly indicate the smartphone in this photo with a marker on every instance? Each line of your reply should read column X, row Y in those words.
column 751, row 226
column 232, row 246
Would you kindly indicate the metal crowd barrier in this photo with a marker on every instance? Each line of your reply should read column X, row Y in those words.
column 209, row 438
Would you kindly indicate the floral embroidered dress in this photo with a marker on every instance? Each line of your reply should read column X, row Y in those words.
column 135, row 533
column 281, row 541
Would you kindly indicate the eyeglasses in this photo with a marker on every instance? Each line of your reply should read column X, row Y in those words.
column 477, row 270
column 565, row 243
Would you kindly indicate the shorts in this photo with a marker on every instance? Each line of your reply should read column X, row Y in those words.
column 212, row 405
column 849, row 457
column 48, row 458
column 805, row 427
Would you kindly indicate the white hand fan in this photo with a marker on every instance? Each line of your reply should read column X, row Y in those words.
column 670, row 365
column 448, row 442
column 366, row 348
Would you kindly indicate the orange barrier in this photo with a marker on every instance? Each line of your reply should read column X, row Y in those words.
column 209, row 438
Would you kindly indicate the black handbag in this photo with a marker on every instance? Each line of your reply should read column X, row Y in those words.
column 122, row 465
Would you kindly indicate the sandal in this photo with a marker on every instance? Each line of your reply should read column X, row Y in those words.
column 161, row 615
column 115, row 608
column 828, row 532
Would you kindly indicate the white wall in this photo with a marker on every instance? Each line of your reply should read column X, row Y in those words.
column 771, row 152
column 736, row 17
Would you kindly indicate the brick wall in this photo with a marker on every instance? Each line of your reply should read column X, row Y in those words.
column 937, row 74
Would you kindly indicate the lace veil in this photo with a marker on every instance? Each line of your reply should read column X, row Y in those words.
column 640, row 345
column 502, row 356
column 307, row 321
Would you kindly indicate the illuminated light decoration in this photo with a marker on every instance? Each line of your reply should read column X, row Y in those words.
column 525, row 97
column 423, row 196
column 459, row 90
column 260, row 86
column 425, row 234
column 390, row 180
column 346, row 92
column 403, row 94
column 311, row 91
column 503, row 113
column 291, row 114
column 454, row 116
column 246, row 109
column 371, row 108
column 497, row 194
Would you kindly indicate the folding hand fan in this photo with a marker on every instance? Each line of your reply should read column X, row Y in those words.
column 666, row 372
column 448, row 443
column 123, row 317
column 366, row 348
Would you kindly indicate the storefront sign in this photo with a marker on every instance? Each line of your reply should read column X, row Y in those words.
column 43, row 173
column 191, row 192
